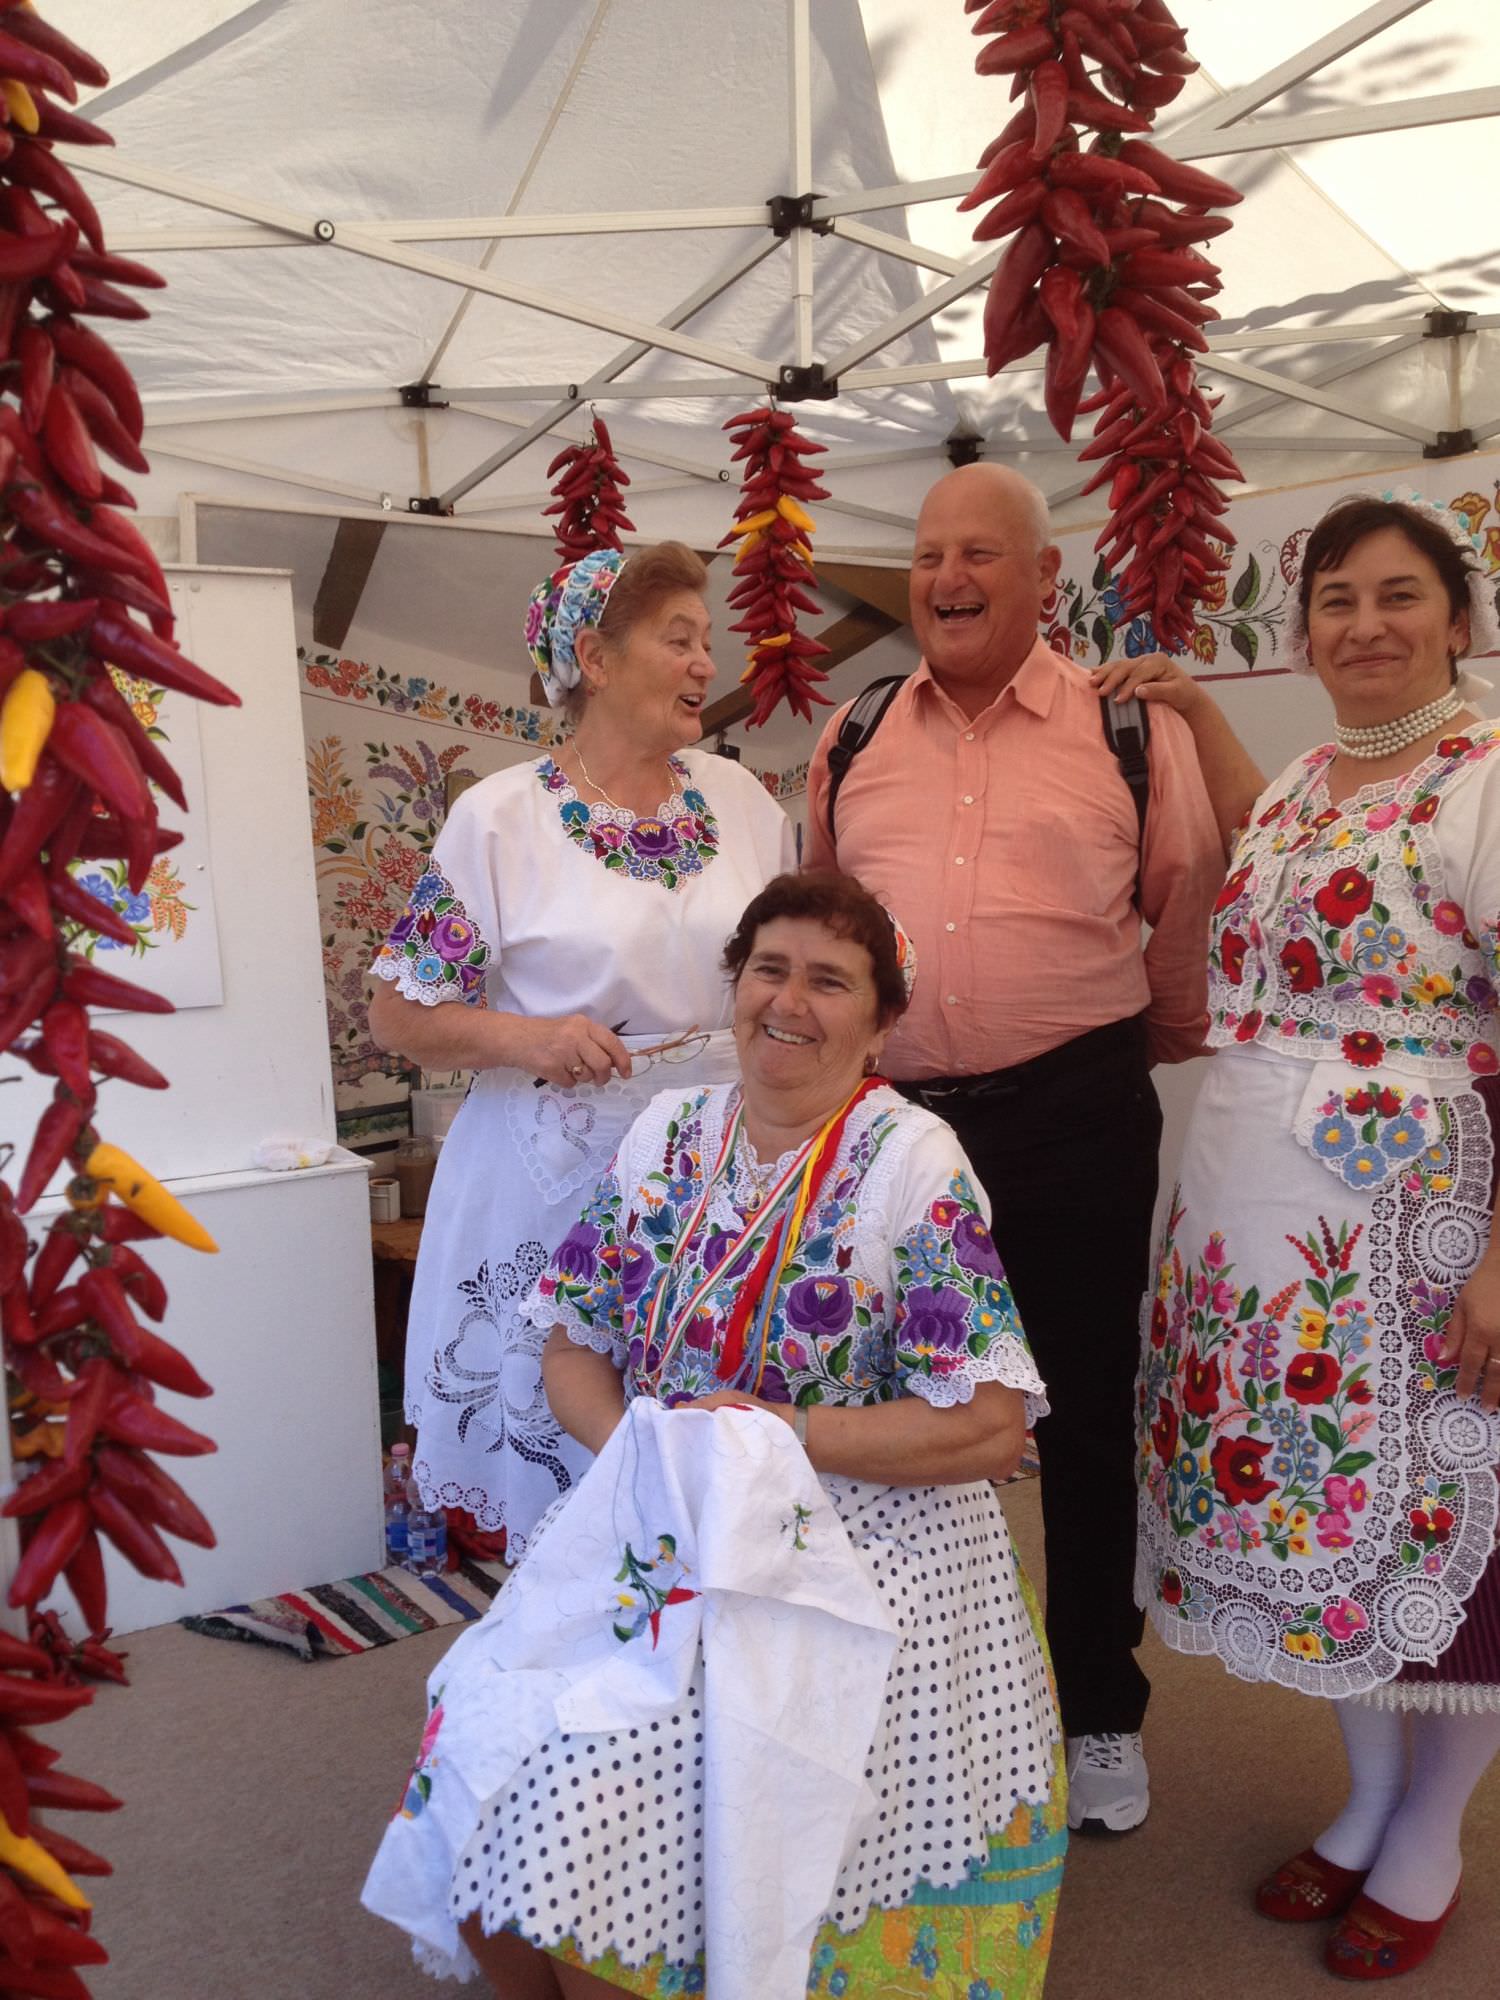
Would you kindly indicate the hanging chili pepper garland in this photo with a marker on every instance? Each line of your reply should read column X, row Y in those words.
column 591, row 513
column 774, row 531
column 1103, row 271
column 82, row 598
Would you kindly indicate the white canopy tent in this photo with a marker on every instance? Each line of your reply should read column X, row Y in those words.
column 409, row 246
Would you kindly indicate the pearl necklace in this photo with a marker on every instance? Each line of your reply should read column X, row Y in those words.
column 595, row 787
column 1384, row 739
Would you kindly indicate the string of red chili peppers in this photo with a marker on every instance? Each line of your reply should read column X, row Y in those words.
column 774, row 531
column 591, row 513
column 1102, row 270
column 81, row 595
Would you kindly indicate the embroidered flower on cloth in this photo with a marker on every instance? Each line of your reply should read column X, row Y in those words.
column 434, row 952
column 668, row 849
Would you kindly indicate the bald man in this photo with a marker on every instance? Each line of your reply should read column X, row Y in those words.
column 990, row 812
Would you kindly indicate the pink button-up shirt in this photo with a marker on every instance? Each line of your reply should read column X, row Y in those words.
column 1007, row 845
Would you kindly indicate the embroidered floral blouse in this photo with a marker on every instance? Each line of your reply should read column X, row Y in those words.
column 895, row 1289
column 1368, row 932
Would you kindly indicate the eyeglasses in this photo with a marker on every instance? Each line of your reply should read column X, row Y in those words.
column 682, row 1048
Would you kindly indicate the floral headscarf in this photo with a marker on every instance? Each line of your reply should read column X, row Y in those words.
column 1484, row 624
column 568, row 602
column 906, row 956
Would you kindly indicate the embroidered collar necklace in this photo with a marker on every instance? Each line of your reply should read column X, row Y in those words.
column 1384, row 739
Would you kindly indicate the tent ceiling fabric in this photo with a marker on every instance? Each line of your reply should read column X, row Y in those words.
column 272, row 366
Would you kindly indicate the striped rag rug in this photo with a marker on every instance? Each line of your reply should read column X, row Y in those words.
column 333, row 1619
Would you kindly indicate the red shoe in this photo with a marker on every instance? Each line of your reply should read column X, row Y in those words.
column 1307, row 1889
column 1373, row 1942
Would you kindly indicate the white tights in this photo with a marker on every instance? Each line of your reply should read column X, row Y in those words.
column 1411, row 1775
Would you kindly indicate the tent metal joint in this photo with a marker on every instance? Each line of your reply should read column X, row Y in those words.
column 427, row 503
column 1451, row 444
column 795, row 211
column 805, row 385
column 422, row 396
column 1443, row 324
column 963, row 448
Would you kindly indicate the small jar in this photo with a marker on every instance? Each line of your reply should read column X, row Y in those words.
column 414, row 1163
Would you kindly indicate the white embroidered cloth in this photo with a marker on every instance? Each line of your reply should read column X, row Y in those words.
column 693, row 1533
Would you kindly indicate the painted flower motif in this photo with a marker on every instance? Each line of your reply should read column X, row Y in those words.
column 819, row 1305
column 1313, row 1378
column 1237, row 1469
column 1205, row 645
column 1300, row 961
column 1346, row 895
column 974, row 1247
column 1363, row 1049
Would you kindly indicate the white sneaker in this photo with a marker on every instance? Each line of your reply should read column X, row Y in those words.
column 1107, row 1788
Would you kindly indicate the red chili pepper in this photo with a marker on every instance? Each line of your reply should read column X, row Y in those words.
column 131, row 1419
column 69, row 447
column 1017, row 272
column 142, row 1283
column 40, row 1490
column 85, row 1578
column 104, row 840
column 61, row 1314
column 17, row 1319
column 22, row 25
column 37, row 1371
column 1178, row 180
column 85, row 982
column 1071, row 221
column 65, row 1793
column 118, row 1224
column 24, row 258
column 1021, row 49
column 104, row 427
column 13, row 1242
column 142, row 1351
column 27, row 898
column 55, row 618
column 136, row 1540
column 98, row 1388
column 74, row 902
column 17, row 1657
column 45, row 516
column 60, row 1943
column 95, row 751
column 91, row 352
column 65, row 1037
column 1125, row 352
column 16, row 1806
column 53, row 1544
column 34, row 817
column 96, row 1659
column 13, row 662
column 1159, row 318
column 1049, row 106
column 54, row 123
column 56, row 1132
column 38, row 359
column 42, row 1982
column 1011, row 166
column 18, row 58
column 35, row 167
column 1101, row 174
column 72, row 1854
column 102, row 695
column 60, row 1246
column 1012, row 211
column 155, row 1493
column 149, row 658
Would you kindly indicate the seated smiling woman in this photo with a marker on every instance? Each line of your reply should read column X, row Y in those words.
column 782, row 1324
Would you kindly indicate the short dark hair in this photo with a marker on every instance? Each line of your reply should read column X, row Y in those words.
column 1351, row 521
column 843, row 906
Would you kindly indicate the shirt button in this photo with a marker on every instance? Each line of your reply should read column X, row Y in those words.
column 950, row 927
column 958, row 861
column 968, row 736
column 952, row 999
column 968, row 798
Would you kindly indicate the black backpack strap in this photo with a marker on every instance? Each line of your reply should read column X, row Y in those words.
column 865, row 715
column 1127, row 731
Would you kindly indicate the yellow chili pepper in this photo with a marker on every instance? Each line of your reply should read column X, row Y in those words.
column 755, row 523
column 776, row 639
column 146, row 1196
column 25, row 724
column 29, row 1858
column 799, row 517
column 19, row 103
column 41, row 1441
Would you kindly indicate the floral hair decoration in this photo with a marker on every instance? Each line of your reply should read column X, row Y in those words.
column 1484, row 623
column 568, row 602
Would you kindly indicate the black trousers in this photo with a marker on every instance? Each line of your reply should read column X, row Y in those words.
column 1066, row 1149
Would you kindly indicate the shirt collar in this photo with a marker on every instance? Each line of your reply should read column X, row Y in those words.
column 1033, row 685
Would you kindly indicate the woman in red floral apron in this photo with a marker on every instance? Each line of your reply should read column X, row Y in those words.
column 1318, row 1429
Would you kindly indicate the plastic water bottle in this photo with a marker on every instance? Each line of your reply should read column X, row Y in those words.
column 397, row 1507
column 426, row 1535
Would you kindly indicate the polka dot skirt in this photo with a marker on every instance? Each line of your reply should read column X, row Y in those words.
column 601, row 1837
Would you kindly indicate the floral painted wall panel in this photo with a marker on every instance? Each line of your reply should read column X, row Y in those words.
column 1241, row 623
column 382, row 747
column 173, row 914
